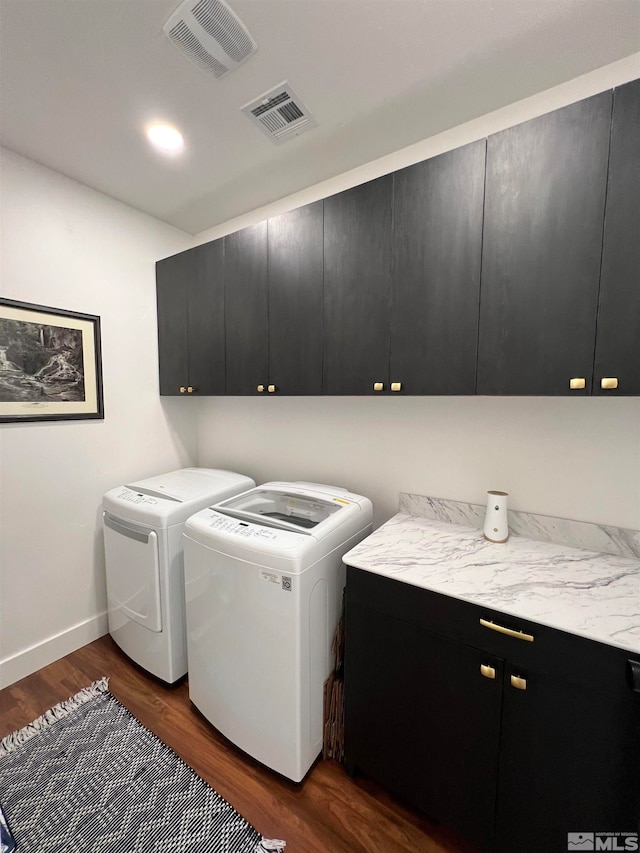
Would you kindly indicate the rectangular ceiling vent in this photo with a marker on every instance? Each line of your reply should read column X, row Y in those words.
column 280, row 114
column 211, row 35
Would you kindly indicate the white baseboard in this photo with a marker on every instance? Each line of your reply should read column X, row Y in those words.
column 41, row 654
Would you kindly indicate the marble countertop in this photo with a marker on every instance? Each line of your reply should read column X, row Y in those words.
column 583, row 592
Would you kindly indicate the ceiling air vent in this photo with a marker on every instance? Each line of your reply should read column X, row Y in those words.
column 211, row 35
column 280, row 114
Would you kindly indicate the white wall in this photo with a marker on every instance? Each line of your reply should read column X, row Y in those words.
column 66, row 246
column 576, row 458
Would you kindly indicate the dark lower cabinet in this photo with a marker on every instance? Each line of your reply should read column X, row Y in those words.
column 513, row 744
column 569, row 762
column 191, row 336
column 357, row 277
column 544, row 212
column 416, row 703
column 246, row 310
column 617, row 362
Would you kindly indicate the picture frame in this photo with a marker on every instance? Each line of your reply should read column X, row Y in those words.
column 50, row 364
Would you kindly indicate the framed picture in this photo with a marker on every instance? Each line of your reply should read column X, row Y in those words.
column 50, row 364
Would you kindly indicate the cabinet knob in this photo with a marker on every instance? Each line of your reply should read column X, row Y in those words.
column 487, row 671
column 260, row 389
column 191, row 389
column 518, row 682
column 378, row 386
column 609, row 382
column 577, row 383
column 272, row 389
column 396, row 386
column 183, row 390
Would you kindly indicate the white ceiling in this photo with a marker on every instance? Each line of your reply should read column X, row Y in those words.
column 79, row 80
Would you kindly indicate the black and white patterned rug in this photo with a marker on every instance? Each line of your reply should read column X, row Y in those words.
column 87, row 777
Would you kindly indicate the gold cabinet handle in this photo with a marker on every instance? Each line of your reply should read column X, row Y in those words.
column 190, row 389
column 577, row 383
column 518, row 682
column 396, row 386
column 272, row 389
column 378, row 386
column 609, row 382
column 260, row 389
column 487, row 671
column 519, row 635
column 183, row 390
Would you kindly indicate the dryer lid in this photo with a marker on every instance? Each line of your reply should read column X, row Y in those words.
column 171, row 498
column 187, row 484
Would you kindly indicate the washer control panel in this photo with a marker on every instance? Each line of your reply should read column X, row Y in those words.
column 242, row 528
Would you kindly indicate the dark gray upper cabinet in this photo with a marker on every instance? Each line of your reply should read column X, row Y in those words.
column 295, row 300
column 437, row 250
column 190, row 294
column 544, row 211
column 246, row 310
column 206, row 320
column 508, row 266
column 172, row 281
column 618, row 337
column 357, row 277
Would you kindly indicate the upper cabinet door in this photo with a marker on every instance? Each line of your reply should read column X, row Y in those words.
column 246, row 309
column 295, row 301
column 544, row 211
column 206, row 319
column 437, row 249
column 618, row 338
column 190, row 292
column 172, row 286
column 357, row 274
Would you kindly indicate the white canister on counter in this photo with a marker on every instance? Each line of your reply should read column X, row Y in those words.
column 496, row 525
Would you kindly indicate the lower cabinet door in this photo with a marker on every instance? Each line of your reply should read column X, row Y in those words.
column 423, row 720
column 569, row 763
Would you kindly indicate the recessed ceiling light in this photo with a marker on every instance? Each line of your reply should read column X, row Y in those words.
column 165, row 138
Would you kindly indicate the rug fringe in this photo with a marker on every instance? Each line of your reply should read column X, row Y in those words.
column 272, row 845
column 17, row 738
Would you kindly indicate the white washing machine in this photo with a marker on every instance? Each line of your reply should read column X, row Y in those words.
column 264, row 580
column 143, row 526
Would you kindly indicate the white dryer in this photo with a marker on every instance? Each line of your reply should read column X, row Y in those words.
column 143, row 525
column 264, row 580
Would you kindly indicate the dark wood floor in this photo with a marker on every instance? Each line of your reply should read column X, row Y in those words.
column 327, row 813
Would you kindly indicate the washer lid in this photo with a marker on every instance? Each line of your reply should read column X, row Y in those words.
column 307, row 508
